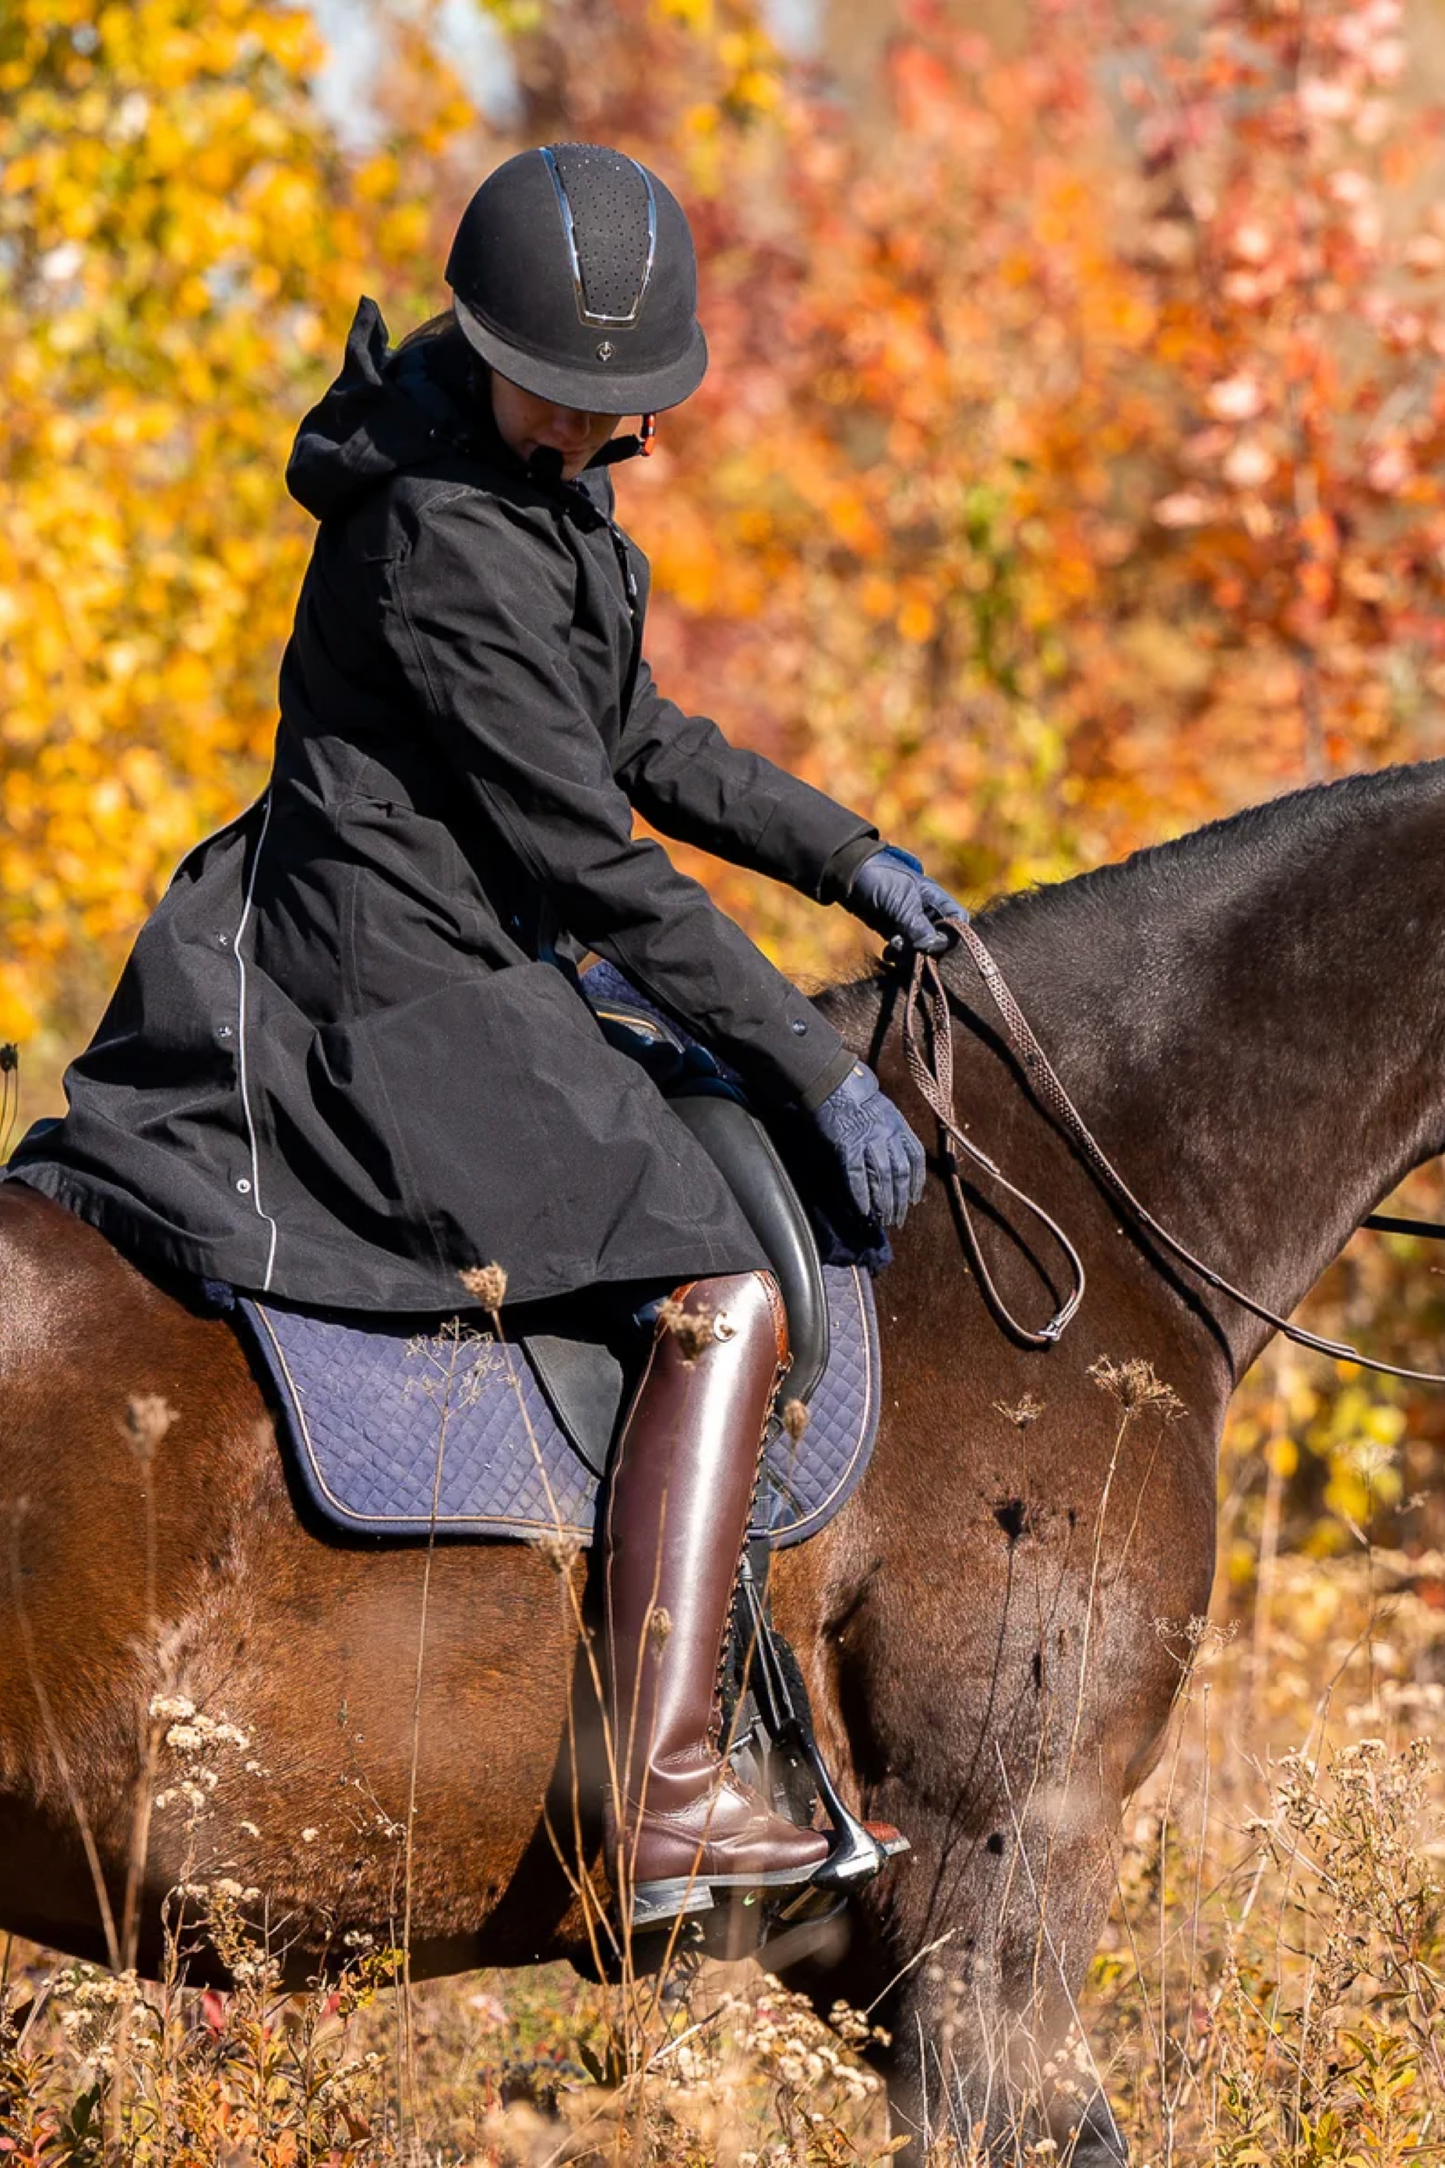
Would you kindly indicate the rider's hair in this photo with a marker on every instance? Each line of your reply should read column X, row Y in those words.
column 442, row 326
column 456, row 359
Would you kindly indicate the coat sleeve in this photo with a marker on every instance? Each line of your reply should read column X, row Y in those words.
column 485, row 603
column 685, row 777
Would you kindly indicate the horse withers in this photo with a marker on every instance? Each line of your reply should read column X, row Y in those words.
column 1251, row 1019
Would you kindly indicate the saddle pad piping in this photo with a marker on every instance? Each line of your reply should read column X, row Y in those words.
column 381, row 1523
column 790, row 1532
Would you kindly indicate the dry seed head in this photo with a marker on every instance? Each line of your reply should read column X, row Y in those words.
column 486, row 1284
column 148, row 1416
column 795, row 1419
column 1134, row 1385
column 560, row 1548
column 1022, row 1413
column 693, row 1330
column 173, row 1708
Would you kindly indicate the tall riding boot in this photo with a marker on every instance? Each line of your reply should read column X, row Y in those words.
column 682, row 1492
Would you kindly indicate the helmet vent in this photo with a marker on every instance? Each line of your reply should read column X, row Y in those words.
column 610, row 220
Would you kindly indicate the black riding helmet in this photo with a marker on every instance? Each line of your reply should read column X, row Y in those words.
column 574, row 275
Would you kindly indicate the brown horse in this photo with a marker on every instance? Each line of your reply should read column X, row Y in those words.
column 1253, row 1019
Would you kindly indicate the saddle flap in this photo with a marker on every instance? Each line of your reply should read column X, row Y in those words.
column 584, row 1385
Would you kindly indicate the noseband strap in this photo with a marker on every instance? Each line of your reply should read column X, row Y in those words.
column 931, row 1068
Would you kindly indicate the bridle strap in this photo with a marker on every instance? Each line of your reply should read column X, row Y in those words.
column 931, row 1068
column 1385, row 1223
column 928, row 997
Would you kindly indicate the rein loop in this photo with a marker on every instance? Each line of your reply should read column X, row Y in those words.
column 931, row 1069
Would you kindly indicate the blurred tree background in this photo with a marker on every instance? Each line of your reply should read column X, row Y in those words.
column 1067, row 472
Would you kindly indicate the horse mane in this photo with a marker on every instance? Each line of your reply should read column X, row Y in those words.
column 1176, row 879
column 1232, row 849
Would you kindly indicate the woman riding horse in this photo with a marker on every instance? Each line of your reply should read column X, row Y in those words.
column 349, row 1056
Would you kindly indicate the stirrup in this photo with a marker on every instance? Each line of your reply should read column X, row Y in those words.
column 658, row 1904
column 655, row 1904
column 858, row 1852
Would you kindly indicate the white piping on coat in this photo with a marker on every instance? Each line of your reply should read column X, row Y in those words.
column 241, row 1025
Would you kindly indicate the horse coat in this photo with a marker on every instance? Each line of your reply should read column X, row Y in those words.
column 348, row 1056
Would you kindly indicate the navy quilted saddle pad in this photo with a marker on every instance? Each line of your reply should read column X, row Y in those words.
column 399, row 1434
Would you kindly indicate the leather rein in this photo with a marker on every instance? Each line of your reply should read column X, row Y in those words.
column 926, row 1014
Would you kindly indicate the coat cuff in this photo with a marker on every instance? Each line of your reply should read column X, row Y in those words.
column 824, row 1086
column 837, row 876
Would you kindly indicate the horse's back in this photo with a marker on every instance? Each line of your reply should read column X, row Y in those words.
column 37, row 1242
column 74, row 1312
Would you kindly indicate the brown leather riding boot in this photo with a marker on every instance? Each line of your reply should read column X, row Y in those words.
column 682, row 1492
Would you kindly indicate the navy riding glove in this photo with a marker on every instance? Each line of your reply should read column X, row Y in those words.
column 891, row 893
column 880, row 1155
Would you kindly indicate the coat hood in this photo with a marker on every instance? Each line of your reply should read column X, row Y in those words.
column 386, row 411
column 381, row 414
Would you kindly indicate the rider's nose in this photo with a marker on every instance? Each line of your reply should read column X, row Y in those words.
column 569, row 423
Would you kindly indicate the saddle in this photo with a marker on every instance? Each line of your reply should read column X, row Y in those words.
column 529, row 1420
column 710, row 1103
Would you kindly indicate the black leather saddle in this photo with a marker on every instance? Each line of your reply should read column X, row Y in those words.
column 740, row 1148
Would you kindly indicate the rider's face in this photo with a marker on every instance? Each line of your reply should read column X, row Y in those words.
column 527, row 423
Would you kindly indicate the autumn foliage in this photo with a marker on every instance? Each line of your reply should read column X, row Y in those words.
column 1074, row 454
column 180, row 243
column 1066, row 473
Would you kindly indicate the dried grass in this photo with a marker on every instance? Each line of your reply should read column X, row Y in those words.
column 1270, row 1988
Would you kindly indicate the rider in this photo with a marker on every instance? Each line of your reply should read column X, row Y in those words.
column 348, row 1057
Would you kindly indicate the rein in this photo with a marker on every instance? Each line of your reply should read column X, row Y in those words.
column 926, row 1012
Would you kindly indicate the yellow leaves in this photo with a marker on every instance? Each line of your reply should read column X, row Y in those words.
column 1282, row 1456
column 180, row 250
column 278, row 196
column 59, row 435
column 186, row 680
column 377, row 179
column 18, row 174
column 694, row 15
column 403, row 230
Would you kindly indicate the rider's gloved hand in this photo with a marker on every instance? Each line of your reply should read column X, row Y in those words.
column 891, row 893
column 880, row 1155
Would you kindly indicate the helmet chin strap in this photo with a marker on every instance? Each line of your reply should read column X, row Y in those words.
column 546, row 463
column 630, row 446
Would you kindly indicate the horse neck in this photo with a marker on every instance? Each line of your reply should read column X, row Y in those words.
column 1253, row 1022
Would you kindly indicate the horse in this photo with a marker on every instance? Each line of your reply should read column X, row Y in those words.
column 1252, row 1018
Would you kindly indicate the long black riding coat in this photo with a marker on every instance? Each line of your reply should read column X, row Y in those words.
column 348, row 1055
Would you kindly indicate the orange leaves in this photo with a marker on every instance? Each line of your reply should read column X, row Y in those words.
column 1051, row 383
column 924, row 89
